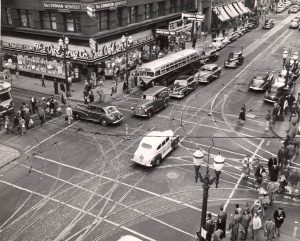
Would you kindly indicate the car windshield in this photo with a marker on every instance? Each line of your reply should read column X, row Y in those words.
column 180, row 82
column 146, row 146
column 258, row 81
column 205, row 68
column 148, row 97
column 111, row 109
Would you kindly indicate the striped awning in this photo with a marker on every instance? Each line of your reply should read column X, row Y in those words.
column 243, row 7
column 222, row 15
column 232, row 14
column 238, row 9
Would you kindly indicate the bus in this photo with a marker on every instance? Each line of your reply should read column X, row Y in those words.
column 6, row 100
column 165, row 70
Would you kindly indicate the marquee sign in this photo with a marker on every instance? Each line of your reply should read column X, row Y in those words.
column 61, row 5
column 110, row 4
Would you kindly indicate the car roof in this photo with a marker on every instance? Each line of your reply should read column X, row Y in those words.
column 154, row 90
column 209, row 66
column 156, row 137
column 184, row 77
column 129, row 238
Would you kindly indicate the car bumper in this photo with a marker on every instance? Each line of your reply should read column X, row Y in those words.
column 117, row 121
column 230, row 65
column 293, row 26
column 176, row 95
column 148, row 164
column 270, row 100
column 256, row 88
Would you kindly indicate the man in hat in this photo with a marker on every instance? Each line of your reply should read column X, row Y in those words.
column 221, row 221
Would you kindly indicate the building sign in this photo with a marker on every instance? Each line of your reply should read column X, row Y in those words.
column 110, row 4
column 62, row 6
column 193, row 16
column 179, row 25
column 47, row 49
column 165, row 32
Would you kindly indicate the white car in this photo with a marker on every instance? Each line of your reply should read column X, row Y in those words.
column 129, row 238
column 294, row 24
column 280, row 9
column 219, row 43
column 154, row 147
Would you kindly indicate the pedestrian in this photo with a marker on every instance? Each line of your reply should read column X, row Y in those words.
column 279, row 216
column 69, row 114
column 234, row 226
column 56, row 106
column 63, row 97
column 125, row 87
column 258, row 209
column 293, row 131
column 209, row 227
column 282, row 183
column 276, row 112
column 27, row 118
column 291, row 99
column 43, row 81
column 223, row 32
column 100, row 93
column 271, row 188
column 268, row 119
column 33, row 104
column 245, row 221
column 217, row 235
column 91, row 96
column 114, row 90
column 246, row 167
column 6, row 124
column 221, row 221
column 286, row 106
column 270, row 164
column 293, row 180
column 16, row 124
column 242, row 115
column 269, row 229
column 256, row 226
column 281, row 156
column 238, row 209
column 62, row 87
column 22, row 126
column 260, row 175
column 41, row 114
column 51, row 105
column 85, row 96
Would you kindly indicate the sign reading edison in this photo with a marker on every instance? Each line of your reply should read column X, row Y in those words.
column 61, row 5
column 113, row 4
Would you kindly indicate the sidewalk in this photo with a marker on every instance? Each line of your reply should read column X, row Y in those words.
column 261, row 237
column 7, row 155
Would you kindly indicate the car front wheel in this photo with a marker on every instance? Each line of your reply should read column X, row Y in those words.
column 166, row 103
column 158, row 161
column 76, row 116
column 103, row 122
column 150, row 114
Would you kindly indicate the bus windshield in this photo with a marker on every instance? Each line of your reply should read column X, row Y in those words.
column 146, row 73
column 5, row 96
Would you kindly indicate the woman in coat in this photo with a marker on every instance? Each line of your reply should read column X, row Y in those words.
column 279, row 216
column 242, row 115
column 269, row 228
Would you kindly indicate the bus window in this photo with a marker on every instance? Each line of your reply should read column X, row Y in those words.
column 157, row 73
column 150, row 74
column 5, row 96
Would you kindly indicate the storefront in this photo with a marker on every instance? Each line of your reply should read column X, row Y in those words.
column 36, row 58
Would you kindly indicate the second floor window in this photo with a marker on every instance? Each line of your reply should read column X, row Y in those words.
column 48, row 20
column 161, row 8
column 132, row 14
column 148, row 11
column 26, row 18
column 6, row 16
column 104, row 20
column 72, row 22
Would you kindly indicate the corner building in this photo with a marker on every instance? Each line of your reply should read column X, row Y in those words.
column 31, row 30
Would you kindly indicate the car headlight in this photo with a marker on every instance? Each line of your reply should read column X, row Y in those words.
column 132, row 108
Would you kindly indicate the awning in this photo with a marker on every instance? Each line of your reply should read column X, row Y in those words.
column 222, row 15
column 233, row 10
column 232, row 14
column 237, row 8
column 243, row 8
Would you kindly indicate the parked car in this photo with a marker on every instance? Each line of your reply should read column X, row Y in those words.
column 218, row 43
column 104, row 114
column 154, row 147
column 208, row 73
column 210, row 55
column 234, row 60
column 294, row 23
column 261, row 82
column 183, row 85
column 294, row 9
column 233, row 36
column 153, row 100
column 280, row 9
column 268, row 24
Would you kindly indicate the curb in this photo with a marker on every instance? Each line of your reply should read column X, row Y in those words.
column 32, row 91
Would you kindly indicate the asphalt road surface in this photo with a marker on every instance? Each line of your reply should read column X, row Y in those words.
column 77, row 182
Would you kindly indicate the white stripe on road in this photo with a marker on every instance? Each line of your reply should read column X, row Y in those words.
column 241, row 177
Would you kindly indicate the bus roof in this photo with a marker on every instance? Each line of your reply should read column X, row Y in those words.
column 4, row 85
column 169, row 58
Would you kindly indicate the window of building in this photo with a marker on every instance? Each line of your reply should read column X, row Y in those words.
column 132, row 14
column 161, row 8
column 173, row 6
column 26, row 18
column 119, row 17
column 48, row 20
column 104, row 20
column 6, row 16
column 72, row 22
column 148, row 11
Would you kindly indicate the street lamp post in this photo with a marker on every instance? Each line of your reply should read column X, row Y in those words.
column 127, row 41
column 284, row 57
column 207, row 181
column 63, row 43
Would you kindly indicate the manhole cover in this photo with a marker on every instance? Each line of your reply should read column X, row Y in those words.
column 172, row 175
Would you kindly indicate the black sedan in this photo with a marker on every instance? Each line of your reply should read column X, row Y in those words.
column 183, row 85
column 261, row 82
column 102, row 114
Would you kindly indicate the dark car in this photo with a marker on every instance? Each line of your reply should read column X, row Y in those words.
column 102, row 114
column 209, row 56
column 268, row 24
column 152, row 101
column 233, row 36
column 261, row 82
column 183, row 85
column 234, row 60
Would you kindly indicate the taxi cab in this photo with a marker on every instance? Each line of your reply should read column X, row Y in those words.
column 154, row 147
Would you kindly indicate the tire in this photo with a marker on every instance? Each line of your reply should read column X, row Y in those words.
column 76, row 116
column 150, row 114
column 166, row 103
column 158, row 161
column 103, row 122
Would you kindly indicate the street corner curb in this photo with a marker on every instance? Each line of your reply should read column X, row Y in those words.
column 11, row 155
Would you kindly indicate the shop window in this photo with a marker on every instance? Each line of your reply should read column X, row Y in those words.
column 104, row 20
column 48, row 20
column 72, row 22
column 148, row 11
column 132, row 14
column 119, row 17
column 6, row 16
column 26, row 18
column 161, row 8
